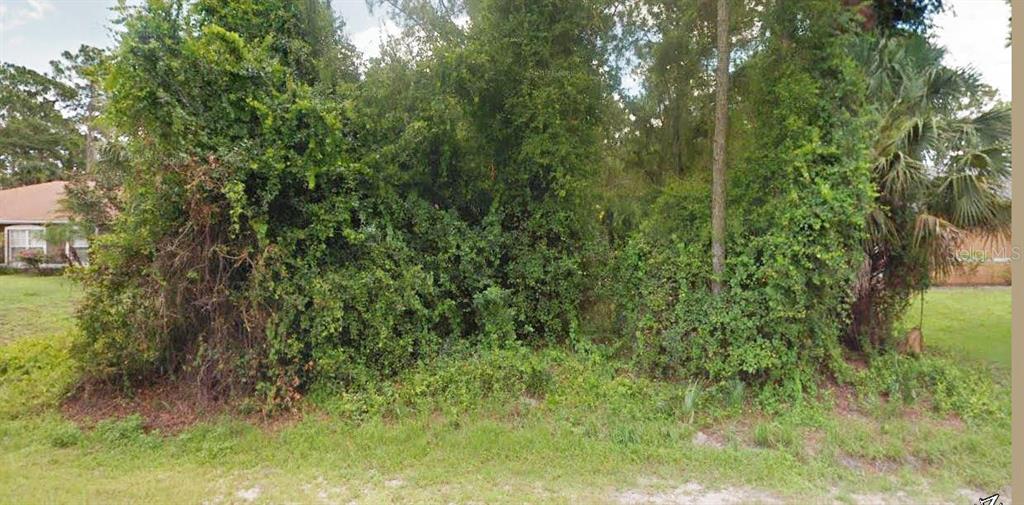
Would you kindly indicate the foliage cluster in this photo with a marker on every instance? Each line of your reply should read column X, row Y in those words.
column 37, row 142
column 288, row 222
column 799, row 182
column 941, row 171
column 293, row 217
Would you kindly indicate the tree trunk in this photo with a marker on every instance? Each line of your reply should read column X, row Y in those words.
column 862, row 306
column 868, row 325
column 90, row 138
column 718, row 154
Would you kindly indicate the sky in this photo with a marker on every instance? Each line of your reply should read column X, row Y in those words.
column 33, row 32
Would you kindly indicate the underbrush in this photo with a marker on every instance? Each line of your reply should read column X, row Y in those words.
column 578, row 386
column 513, row 412
column 976, row 393
column 569, row 385
column 35, row 374
column 591, row 381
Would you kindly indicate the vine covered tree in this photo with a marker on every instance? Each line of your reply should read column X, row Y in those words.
column 295, row 222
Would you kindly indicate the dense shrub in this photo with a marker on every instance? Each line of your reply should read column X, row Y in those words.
column 281, row 229
column 292, row 220
column 797, row 194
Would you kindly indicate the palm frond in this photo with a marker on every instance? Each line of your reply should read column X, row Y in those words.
column 881, row 229
column 939, row 240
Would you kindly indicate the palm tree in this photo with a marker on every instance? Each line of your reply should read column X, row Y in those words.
column 941, row 168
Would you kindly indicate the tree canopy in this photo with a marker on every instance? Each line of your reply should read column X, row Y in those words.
column 38, row 142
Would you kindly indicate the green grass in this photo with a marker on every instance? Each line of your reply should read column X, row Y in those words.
column 584, row 443
column 35, row 306
column 514, row 426
column 971, row 322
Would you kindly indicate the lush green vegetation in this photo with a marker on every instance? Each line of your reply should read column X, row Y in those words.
column 586, row 436
column 39, row 143
column 510, row 423
column 475, row 262
column 947, row 117
column 562, row 450
column 293, row 226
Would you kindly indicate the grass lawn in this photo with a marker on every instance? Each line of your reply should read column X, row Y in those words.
column 466, row 431
column 971, row 322
column 32, row 305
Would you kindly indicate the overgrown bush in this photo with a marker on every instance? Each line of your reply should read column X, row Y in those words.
column 291, row 219
column 280, row 229
column 798, row 191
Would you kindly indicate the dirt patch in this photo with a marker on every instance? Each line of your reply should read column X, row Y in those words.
column 860, row 363
column 973, row 496
column 962, row 497
column 845, row 399
column 695, row 494
column 169, row 407
column 709, row 439
column 814, row 440
column 868, row 465
column 953, row 421
column 250, row 494
column 166, row 407
column 852, row 463
column 880, row 499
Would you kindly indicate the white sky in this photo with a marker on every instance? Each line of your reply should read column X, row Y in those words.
column 33, row 32
column 974, row 33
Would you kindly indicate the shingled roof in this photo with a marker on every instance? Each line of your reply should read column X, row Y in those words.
column 38, row 203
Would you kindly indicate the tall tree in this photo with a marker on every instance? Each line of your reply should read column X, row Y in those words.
column 92, row 193
column 718, row 156
column 79, row 71
column 38, row 142
column 48, row 121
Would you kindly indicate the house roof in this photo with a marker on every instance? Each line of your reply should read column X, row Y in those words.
column 38, row 203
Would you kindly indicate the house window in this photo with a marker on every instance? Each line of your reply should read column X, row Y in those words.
column 81, row 247
column 23, row 238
